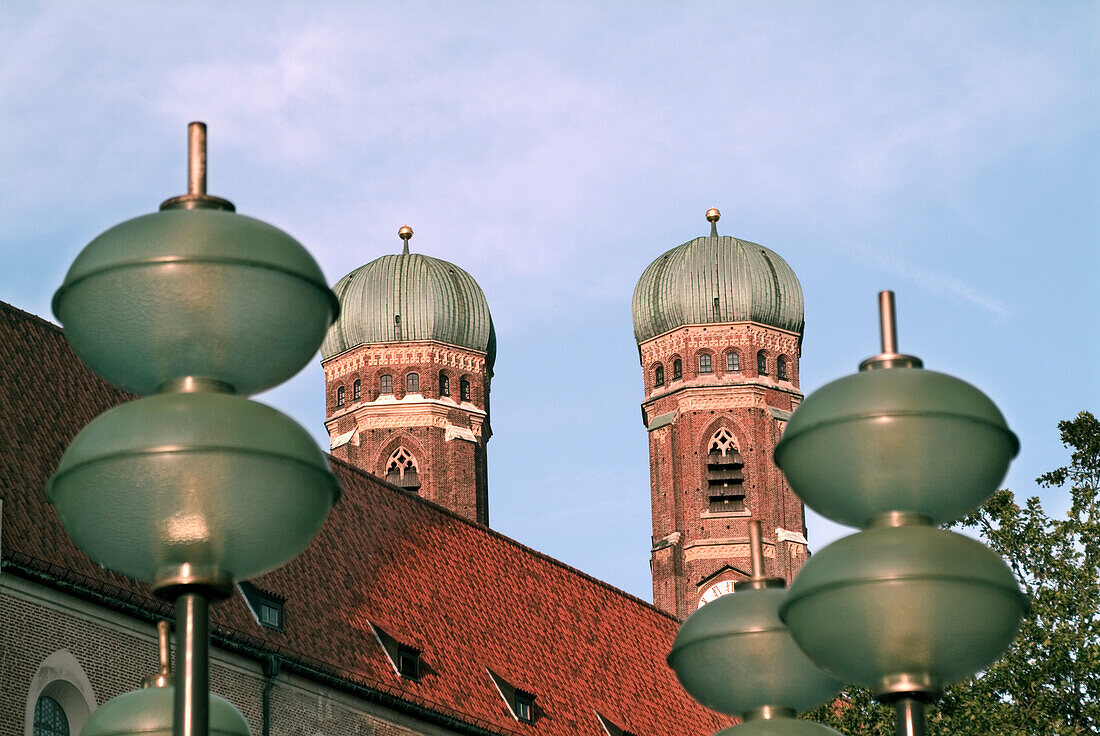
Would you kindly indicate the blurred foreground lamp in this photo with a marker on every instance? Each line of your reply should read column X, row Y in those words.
column 195, row 486
column 148, row 712
column 902, row 608
column 734, row 655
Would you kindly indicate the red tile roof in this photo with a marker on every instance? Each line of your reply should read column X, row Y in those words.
column 467, row 597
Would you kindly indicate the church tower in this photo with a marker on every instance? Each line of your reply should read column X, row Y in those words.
column 718, row 323
column 407, row 371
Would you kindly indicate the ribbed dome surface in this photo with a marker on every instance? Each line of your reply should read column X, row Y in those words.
column 716, row 278
column 434, row 299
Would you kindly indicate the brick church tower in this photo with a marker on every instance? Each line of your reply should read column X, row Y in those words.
column 407, row 371
column 718, row 323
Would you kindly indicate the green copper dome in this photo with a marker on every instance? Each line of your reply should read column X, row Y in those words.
column 716, row 278
column 409, row 296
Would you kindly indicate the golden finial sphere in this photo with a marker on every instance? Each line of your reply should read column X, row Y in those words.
column 713, row 214
column 405, row 232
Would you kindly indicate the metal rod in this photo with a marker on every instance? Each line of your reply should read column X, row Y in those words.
column 192, row 717
column 196, row 158
column 164, row 647
column 910, row 717
column 888, row 321
column 756, row 550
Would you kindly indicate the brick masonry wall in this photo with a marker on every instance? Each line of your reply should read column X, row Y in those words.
column 692, row 548
column 445, row 434
column 115, row 652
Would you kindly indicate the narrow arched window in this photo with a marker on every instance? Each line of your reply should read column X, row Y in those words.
column 733, row 362
column 356, row 390
column 704, row 362
column 762, row 363
column 464, row 390
column 659, row 376
column 49, row 718
column 385, row 384
column 444, row 384
column 781, row 368
column 339, row 396
column 725, row 477
column 677, row 370
column 401, row 470
column 412, row 383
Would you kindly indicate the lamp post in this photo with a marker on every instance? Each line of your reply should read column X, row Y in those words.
column 195, row 486
column 903, row 607
column 734, row 655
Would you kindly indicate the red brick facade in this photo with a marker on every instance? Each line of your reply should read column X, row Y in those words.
column 696, row 547
column 441, row 421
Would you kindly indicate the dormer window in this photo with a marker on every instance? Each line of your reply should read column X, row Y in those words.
column 464, row 390
column 404, row 659
column 356, row 390
column 521, row 703
column 677, row 370
column 385, row 384
column 704, row 363
column 339, row 397
column 610, row 728
column 762, row 363
column 659, row 376
column 266, row 607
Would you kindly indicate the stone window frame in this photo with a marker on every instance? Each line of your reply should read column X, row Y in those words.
column 61, row 678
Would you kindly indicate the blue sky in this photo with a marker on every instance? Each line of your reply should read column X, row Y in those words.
column 946, row 151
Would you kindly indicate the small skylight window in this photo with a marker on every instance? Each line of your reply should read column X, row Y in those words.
column 266, row 607
column 521, row 704
column 610, row 728
column 405, row 659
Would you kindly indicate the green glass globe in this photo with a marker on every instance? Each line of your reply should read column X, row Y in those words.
column 779, row 727
column 213, row 481
column 906, row 609
column 148, row 712
column 195, row 292
column 734, row 655
column 903, row 439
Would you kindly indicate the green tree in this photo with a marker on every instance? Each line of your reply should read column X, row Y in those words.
column 1048, row 682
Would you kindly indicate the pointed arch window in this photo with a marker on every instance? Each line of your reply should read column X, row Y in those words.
column 339, row 396
column 412, row 383
column 725, row 476
column 463, row 390
column 659, row 376
column 444, row 384
column 733, row 362
column 677, row 370
column 402, row 471
column 50, row 718
column 762, row 363
column 356, row 390
column 781, row 368
column 704, row 363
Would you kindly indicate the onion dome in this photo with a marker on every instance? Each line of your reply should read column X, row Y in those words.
column 716, row 278
column 410, row 296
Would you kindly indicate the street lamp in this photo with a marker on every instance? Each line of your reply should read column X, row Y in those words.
column 734, row 655
column 195, row 486
column 903, row 607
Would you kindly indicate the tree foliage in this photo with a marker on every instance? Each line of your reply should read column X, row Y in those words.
column 1048, row 682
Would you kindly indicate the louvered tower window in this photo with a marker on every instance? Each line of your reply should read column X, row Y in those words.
column 401, row 470
column 725, row 479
